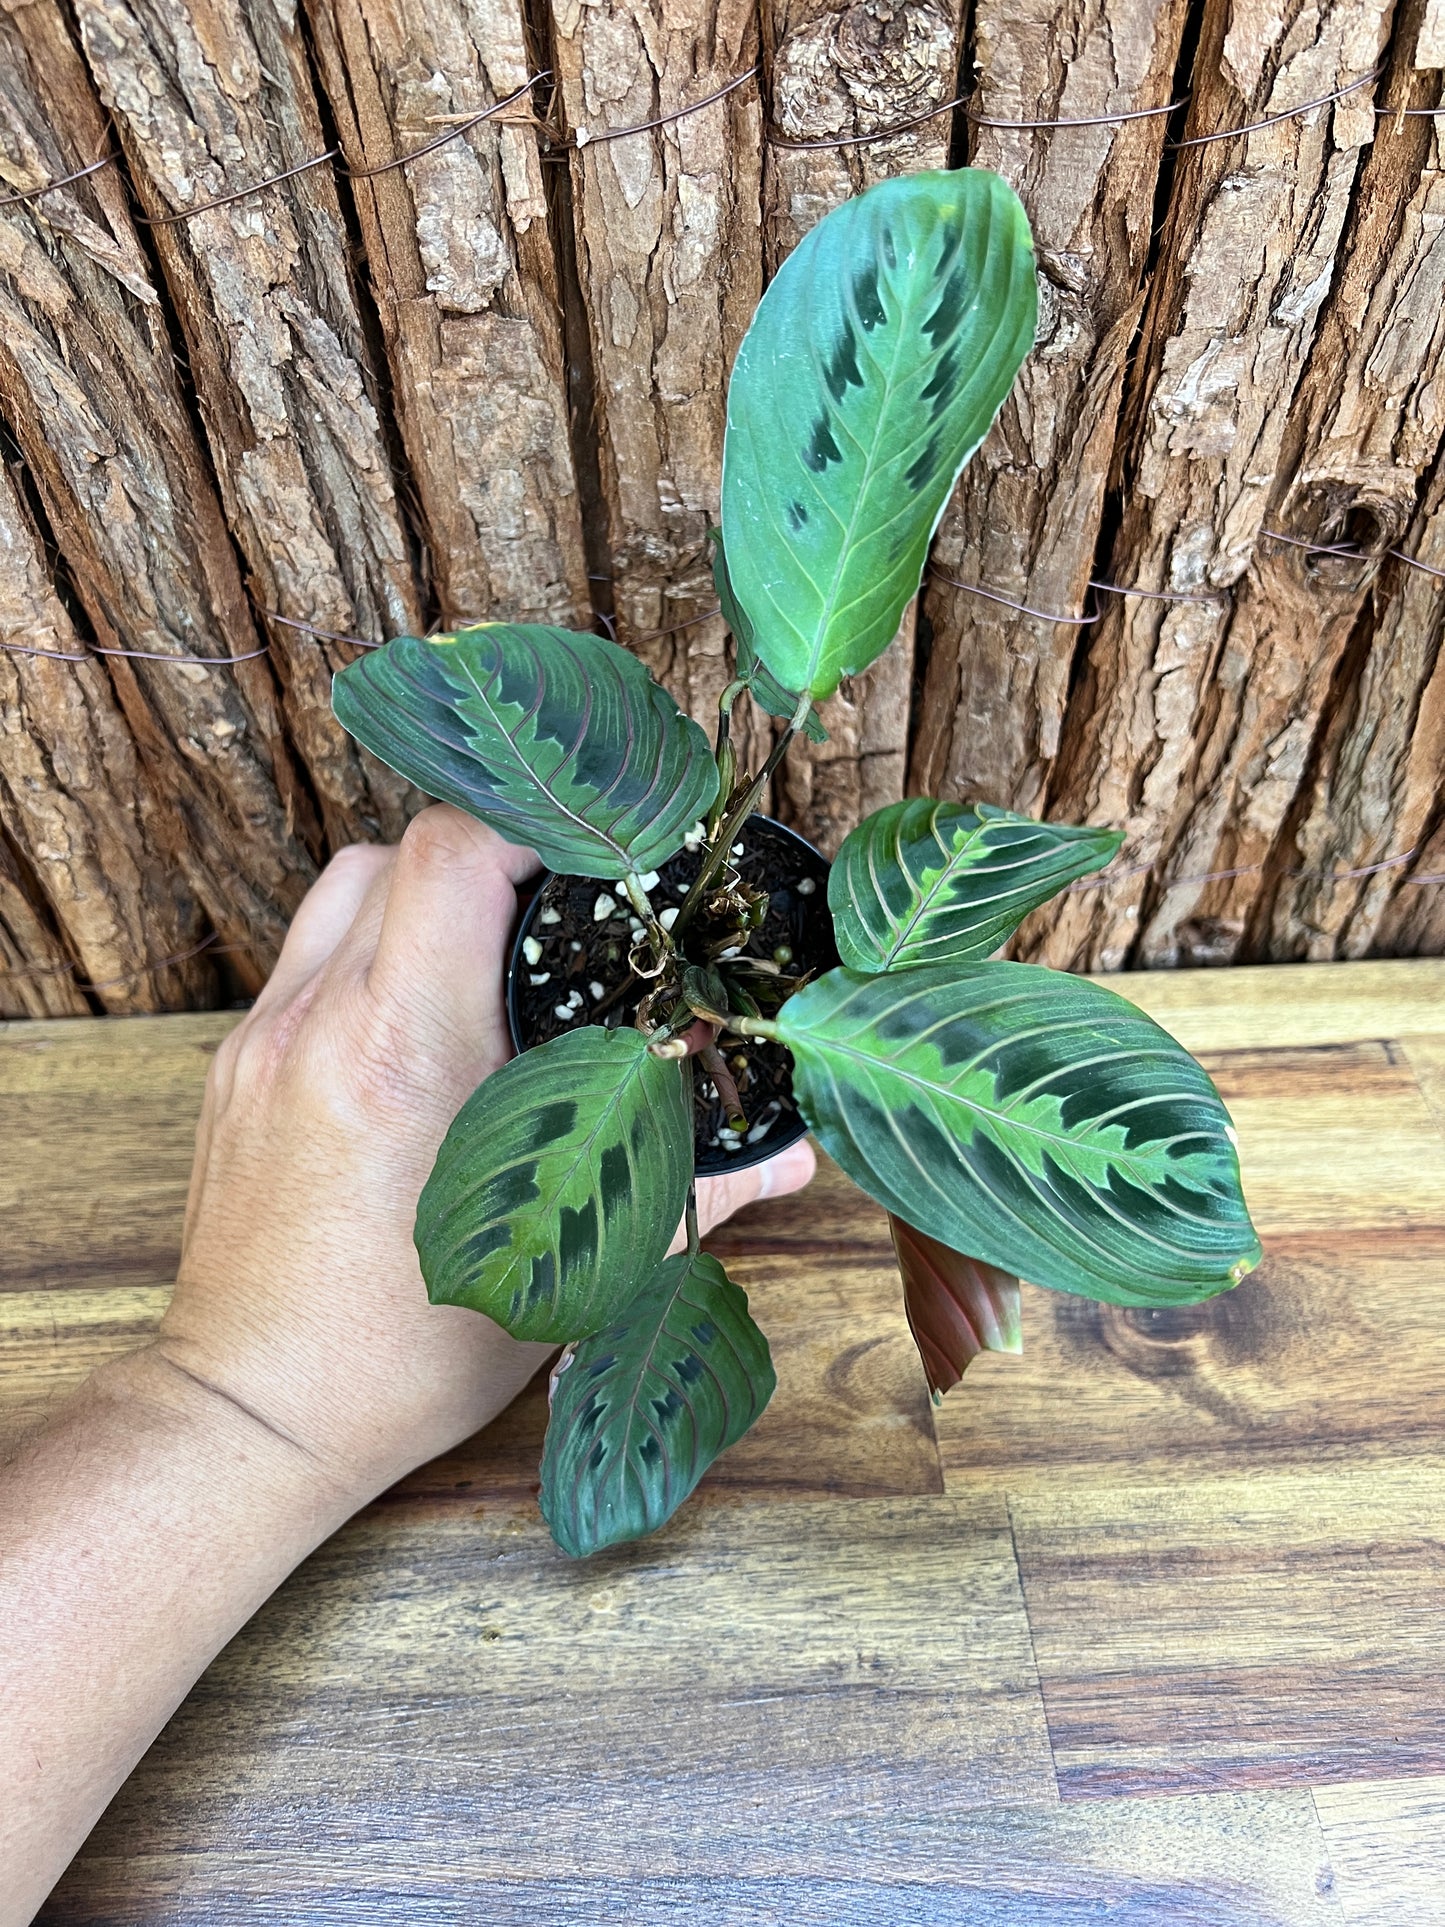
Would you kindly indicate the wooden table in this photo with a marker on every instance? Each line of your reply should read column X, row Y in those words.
column 1146, row 1627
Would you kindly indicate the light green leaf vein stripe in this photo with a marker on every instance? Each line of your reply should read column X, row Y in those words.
column 1034, row 1120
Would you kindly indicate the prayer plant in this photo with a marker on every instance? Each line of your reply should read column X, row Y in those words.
column 1013, row 1121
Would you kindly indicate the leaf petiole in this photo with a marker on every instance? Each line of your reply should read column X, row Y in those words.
column 735, row 818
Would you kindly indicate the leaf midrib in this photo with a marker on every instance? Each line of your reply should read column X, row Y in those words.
column 925, row 902
column 613, row 846
column 835, row 588
column 998, row 1118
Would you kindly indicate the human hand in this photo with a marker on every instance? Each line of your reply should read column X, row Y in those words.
column 300, row 1298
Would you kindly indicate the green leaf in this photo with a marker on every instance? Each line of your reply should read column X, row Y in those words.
column 561, row 742
column 641, row 1410
column 559, row 1186
column 923, row 882
column 957, row 1307
column 873, row 368
column 765, row 689
column 1030, row 1118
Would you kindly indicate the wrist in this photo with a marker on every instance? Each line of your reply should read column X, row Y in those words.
column 226, row 1454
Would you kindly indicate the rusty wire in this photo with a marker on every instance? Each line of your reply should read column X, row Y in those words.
column 34, row 193
column 1351, row 552
column 585, row 137
column 1273, row 120
column 94, row 649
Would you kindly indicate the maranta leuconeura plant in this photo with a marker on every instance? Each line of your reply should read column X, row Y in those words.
column 1015, row 1122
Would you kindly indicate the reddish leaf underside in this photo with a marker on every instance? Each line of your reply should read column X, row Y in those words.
column 957, row 1306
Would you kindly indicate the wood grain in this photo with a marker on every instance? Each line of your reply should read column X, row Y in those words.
column 1386, row 1840
column 1222, row 1861
column 1287, row 1371
column 1190, row 1554
column 696, row 1762
column 1247, row 1630
column 1290, row 1005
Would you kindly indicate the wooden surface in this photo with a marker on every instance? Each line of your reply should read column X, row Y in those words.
column 1141, row 1628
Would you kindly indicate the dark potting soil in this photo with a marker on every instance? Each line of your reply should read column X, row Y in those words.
column 583, row 961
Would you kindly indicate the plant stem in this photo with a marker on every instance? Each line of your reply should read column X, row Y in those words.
column 753, row 1027
column 723, row 755
column 693, row 1236
column 736, row 817
column 637, row 897
column 715, row 1064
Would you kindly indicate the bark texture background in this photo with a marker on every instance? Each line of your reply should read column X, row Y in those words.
column 490, row 381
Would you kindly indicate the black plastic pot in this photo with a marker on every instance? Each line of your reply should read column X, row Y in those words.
column 775, row 858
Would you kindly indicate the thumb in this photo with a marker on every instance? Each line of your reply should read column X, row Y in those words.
column 718, row 1198
column 441, row 947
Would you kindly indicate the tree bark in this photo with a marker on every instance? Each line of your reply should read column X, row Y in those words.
column 208, row 101
column 1247, row 256
column 459, row 388
column 1025, row 518
column 1364, row 432
column 1370, row 473
column 463, row 276
column 88, row 382
column 36, row 974
column 79, row 812
column 669, row 265
column 836, row 71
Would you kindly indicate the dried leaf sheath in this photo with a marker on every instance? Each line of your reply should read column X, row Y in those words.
column 957, row 1306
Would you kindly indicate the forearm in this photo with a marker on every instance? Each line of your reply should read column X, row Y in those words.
column 138, row 1532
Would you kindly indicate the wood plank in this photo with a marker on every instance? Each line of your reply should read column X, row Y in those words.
column 1262, row 1007
column 1336, row 1135
column 1244, row 1630
column 1331, row 1355
column 98, row 1122
column 1228, row 1860
column 1386, row 1839
column 461, row 1691
column 1426, row 1058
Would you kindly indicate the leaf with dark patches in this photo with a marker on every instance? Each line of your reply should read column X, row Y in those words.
column 559, row 1185
column 641, row 1409
column 875, row 363
column 922, row 882
column 561, row 742
column 1036, row 1120
column 957, row 1306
